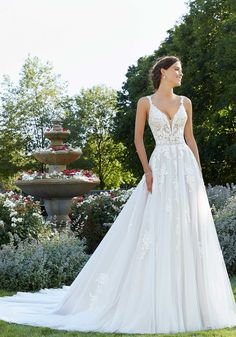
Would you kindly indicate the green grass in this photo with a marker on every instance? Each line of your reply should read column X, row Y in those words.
column 15, row 330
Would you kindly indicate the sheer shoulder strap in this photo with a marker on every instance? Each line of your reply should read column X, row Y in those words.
column 181, row 99
column 150, row 100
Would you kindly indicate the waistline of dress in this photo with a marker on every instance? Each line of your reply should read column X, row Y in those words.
column 170, row 143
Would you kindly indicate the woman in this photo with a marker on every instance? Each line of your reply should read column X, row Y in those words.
column 159, row 268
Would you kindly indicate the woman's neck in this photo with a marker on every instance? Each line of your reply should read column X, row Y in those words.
column 164, row 91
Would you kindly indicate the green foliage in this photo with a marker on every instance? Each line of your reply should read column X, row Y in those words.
column 219, row 195
column 90, row 118
column 91, row 112
column 13, row 330
column 89, row 215
column 33, row 265
column 26, row 109
column 222, row 200
column 225, row 221
column 39, row 97
column 106, row 156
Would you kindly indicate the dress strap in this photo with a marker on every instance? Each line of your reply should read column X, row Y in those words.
column 149, row 98
column 181, row 100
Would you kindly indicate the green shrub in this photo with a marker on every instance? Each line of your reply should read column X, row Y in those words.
column 92, row 215
column 32, row 265
column 218, row 195
column 225, row 221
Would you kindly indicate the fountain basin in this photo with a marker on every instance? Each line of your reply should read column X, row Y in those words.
column 56, row 135
column 56, row 188
column 57, row 157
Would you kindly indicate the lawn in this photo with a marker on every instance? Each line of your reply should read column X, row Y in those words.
column 15, row 330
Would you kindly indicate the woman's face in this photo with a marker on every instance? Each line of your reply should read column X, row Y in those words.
column 174, row 74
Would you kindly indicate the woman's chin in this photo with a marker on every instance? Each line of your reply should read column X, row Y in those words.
column 177, row 84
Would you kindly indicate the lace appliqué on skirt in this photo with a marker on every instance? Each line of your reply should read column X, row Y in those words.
column 101, row 281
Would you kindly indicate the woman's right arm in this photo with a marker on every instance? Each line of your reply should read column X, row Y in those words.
column 141, row 116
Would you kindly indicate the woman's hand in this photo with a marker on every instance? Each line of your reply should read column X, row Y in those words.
column 149, row 180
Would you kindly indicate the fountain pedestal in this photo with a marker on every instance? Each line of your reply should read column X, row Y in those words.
column 58, row 207
column 56, row 168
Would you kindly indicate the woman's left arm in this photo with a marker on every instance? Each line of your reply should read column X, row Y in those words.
column 188, row 130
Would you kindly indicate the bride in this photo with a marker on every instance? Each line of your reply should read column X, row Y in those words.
column 159, row 268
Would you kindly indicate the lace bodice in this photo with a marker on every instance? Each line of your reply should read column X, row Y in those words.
column 167, row 131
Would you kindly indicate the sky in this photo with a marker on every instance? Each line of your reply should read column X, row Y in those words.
column 88, row 42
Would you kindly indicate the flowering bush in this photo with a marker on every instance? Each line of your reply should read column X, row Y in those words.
column 92, row 215
column 21, row 215
column 66, row 174
column 32, row 265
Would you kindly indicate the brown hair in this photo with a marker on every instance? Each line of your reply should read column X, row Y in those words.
column 162, row 62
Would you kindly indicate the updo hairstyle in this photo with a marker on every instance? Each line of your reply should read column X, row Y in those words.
column 162, row 62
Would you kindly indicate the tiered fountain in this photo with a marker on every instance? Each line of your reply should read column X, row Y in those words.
column 54, row 187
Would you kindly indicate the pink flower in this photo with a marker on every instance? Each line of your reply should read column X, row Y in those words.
column 59, row 147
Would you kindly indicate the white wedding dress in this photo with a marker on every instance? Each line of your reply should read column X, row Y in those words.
column 159, row 268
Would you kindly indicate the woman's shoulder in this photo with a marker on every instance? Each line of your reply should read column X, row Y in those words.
column 186, row 99
column 186, row 102
column 144, row 101
column 144, row 98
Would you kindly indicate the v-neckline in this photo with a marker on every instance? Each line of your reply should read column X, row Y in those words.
column 170, row 120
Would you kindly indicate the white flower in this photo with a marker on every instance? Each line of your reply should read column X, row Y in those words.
column 1, row 223
column 13, row 213
column 15, row 220
column 8, row 203
column 27, row 177
column 10, row 193
column 64, row 175
column 48, row 223
column 37, row 215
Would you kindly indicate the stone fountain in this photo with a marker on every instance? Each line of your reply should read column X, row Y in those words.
column 57, row 192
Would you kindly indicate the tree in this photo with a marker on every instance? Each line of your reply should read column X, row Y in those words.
column 90, row 117
column 39, row 99
column 27, row 108
column 106, row 157
column 34, row 101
